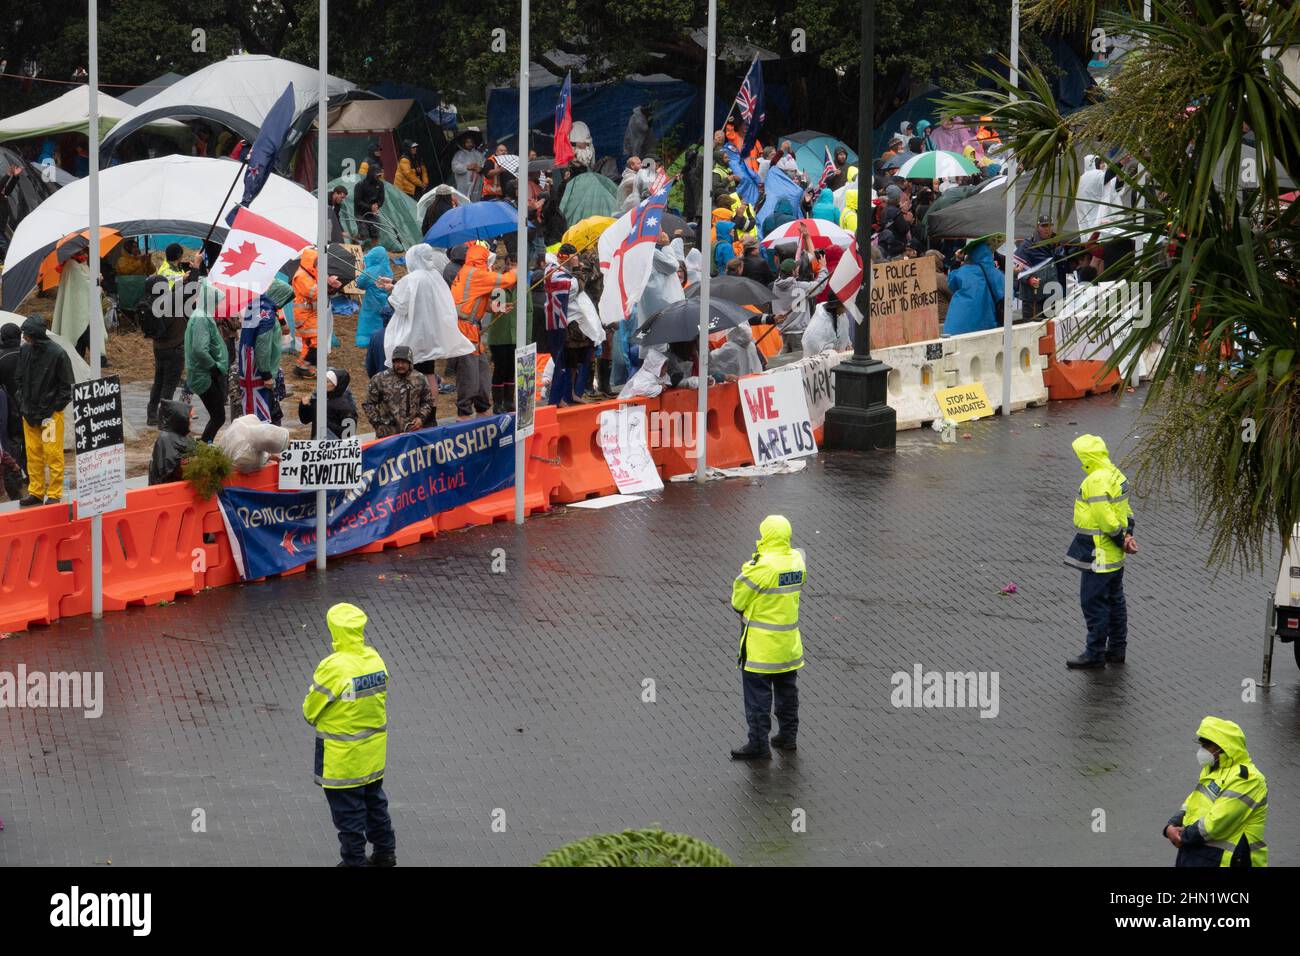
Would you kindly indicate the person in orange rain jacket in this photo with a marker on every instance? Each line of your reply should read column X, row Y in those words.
column 304, row 312
column 736, row 137
column 474, row 289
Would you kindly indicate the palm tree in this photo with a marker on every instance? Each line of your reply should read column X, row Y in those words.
column 1200, row 125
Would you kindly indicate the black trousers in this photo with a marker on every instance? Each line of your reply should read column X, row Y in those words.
column 167, row 367
column 214, row 400
column 761, row 691
column 361, row 814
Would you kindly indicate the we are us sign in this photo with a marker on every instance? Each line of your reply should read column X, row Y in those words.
column 776, row 416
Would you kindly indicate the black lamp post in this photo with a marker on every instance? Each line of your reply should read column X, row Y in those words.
column 861, row 419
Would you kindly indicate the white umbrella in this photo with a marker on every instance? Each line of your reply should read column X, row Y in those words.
column 169, row 195
column 937, row 164
column 789, row 233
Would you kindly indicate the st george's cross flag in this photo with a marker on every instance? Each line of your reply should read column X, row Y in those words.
column 627, row 256
column 254, row 251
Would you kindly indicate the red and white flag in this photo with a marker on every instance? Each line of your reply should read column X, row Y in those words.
column 846, row 279
column 253, row 253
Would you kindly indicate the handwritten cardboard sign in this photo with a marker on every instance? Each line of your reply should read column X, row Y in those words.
column 776, row 416
column 904, row 302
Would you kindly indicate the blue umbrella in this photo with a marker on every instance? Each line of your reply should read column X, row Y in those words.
column 477, row 220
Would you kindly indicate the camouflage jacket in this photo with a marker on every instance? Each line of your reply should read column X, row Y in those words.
column 393, row 400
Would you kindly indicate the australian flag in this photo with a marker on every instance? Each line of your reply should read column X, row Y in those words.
column 266, row 148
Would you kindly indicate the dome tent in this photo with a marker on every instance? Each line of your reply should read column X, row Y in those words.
column 70, row 113
column 169, row 194
column 237, row 93
column 398, row 227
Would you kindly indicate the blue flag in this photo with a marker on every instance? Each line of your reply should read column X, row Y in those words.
column 266, row 149
column 746, row 178
column 778, row 186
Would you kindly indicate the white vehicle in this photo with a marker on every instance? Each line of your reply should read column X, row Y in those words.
column 1285, row 615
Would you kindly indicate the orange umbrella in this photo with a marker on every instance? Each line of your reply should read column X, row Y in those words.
column 51, row 266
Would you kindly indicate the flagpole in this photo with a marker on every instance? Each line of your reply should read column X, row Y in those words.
column 706, row 157
column 1008, row 281
column 93, row 301
column 324, row 323
column 521, row 254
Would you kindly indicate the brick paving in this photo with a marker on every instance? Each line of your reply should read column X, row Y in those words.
column 521, row 692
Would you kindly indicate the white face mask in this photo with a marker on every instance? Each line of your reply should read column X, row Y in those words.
column 1204, row 757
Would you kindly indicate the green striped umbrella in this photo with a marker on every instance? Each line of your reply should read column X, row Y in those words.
column 937, row 164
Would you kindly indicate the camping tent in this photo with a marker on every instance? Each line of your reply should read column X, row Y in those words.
column 986, row 211
column 237, row 93
column 604, row 107
column 138, row 94
column 399, row 229
column 180, row 194
column 70, row 113
column 353, row 126
column 810, row 151
column 80, row 373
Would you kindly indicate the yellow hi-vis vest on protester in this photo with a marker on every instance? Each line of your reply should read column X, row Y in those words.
column 1101, row 511
column 348, row 705
column 1229, row 807
column 766, row 593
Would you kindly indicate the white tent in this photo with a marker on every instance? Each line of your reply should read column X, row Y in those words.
column 70, row 113
column 137, row 95
column 80, row 373
column 237, row 92
column 170, row 194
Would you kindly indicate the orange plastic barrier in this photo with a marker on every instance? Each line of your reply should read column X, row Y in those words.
column 1073, row 379
column 582, row 470
column 33, row 588
column 728, row 442
column 153, row 549
column 541, row 480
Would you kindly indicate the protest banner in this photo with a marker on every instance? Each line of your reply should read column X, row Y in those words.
column 325, row 465
column 904, row 302
column 776, row 416
column 818, row 376
column 623, row 439
column 526, row 387
column 404, row 479
column 100, row 445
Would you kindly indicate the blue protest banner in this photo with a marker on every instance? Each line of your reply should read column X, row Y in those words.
column 404, row 479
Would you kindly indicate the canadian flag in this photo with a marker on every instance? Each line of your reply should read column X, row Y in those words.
column 846, row 279
column 253, row 253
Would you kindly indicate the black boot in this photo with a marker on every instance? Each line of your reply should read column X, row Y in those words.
column 1084, row 662
column 31, row 501
column 497, row 408
column 783, row 743
column 382, row 858
column 508, row 398
column 751, row 751
column 1114, row 658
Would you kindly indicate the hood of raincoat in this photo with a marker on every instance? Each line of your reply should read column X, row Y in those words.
column 280, row 293
column 377, row 263
column 725, row 229
column 1230, row 738
column 308, row 262
column 174, row 417
column 774, row 534
column 851, row 199
column 476, row 257
column 347, row 624
column 11, row 336
column 34, row 329
column 342, row 378
column 420, row 258
column 1092, row 452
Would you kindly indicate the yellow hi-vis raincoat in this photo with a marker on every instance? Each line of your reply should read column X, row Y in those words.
column 347, row 704
column 1229, row 807
column 1102, row 515
column 766, row 593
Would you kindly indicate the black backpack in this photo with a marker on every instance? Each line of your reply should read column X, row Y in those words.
column 154, row 306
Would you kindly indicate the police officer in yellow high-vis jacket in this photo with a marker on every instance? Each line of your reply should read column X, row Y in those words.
column 347, row 703
column 1222, row 821
column 1103, row 535
column 766, row 593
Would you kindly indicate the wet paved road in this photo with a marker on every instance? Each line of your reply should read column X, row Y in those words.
column 522, row 692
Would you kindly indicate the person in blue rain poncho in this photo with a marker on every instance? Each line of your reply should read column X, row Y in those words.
column 377, row 282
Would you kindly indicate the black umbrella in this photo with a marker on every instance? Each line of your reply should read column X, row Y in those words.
column 735, row 289
column 342, row 263
column 680, row 322
column 541, row 164
column 670, row 225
